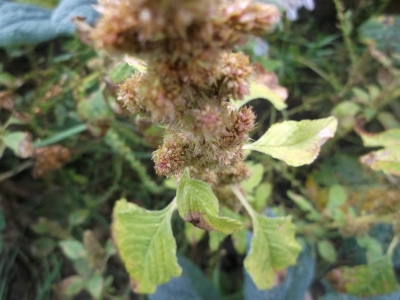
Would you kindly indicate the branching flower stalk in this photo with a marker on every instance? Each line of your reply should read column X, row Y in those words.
column 192, row 86
column 191, row 75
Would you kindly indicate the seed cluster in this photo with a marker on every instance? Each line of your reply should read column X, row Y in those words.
column 192, row 74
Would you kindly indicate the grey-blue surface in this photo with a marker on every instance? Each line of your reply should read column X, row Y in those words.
column 28, row 24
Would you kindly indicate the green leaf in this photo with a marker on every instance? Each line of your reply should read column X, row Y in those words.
column 261, row 196
column 95, row 286
column 305, row 205
column 257, row 172
column 43, row 246
column 20, row 143
column 120, row 71
column 71, row 285
column 109, row 249
column 193, row 234
column 372, row 247
column 382, row 32
column 361, row 95
column 387, row 138
column 385, row 160
column 73, row 249
column 215, row 240
column 373, row 279
column 61, row 135
column 146, row 245
column 326, row 250
column 261, row 91
column 273, row 248
column 296, row 143
column 198, row 205
column 78, row 216
column 239, row 239
column 388, row 120
column 345, row 112
column 95, row 108
column 337, row 196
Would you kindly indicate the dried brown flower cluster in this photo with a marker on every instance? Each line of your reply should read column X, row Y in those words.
column 49, row 158
column 191, row 75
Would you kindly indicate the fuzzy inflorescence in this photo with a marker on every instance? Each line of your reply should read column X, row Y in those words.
column 192, row 74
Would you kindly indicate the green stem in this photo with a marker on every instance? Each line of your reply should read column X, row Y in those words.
column 332, row 80
column 243, row 200
column 18, row 169
column 393, row 245
column 119, row 146
column 172, row 206
column 60, row 136
column 346, row 28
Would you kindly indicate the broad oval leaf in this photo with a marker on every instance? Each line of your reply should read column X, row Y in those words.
column 385, row 160
column 326, row 250
column 73, row 249
column 295, row 285
column 376, row 278
column 198, row 205
column 273, row 248
column 296, row 143
column 146, row 245
column 386, row 138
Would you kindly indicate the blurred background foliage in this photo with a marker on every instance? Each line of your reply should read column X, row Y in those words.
column 69, row 150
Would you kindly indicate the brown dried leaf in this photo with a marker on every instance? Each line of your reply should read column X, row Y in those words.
column 94, row 249
column 25, row 148
column 50, row 158
column 6, row 100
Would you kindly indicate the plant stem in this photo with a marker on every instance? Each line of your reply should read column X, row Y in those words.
column 172, row 206
column 119, row 146
column 393, row 245
column 346, row 28
column 18, row 169
column 332, row 80
column 243, row 200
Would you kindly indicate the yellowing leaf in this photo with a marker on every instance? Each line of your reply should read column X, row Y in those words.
column 198, row 205
column 387, row 138
column 376, row 278
column 136, row 63
column 273, row 248
column 296, row 143
column 146, row 245
column 385, row 160
column 258, row 91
